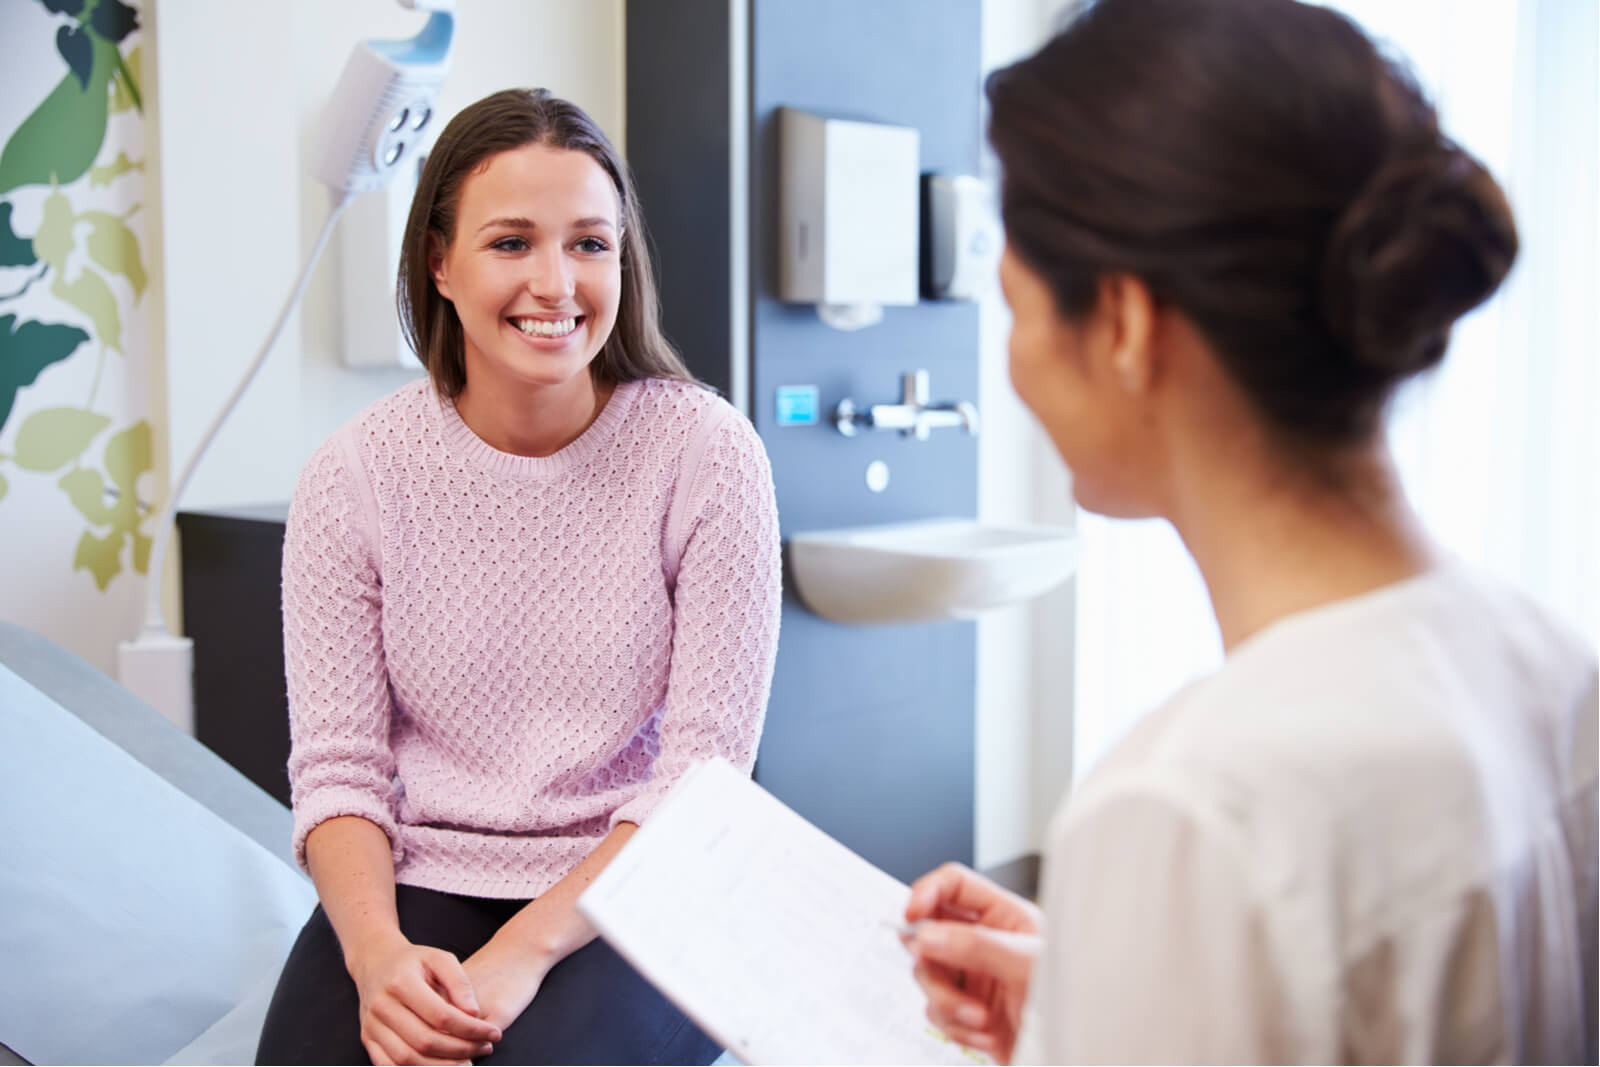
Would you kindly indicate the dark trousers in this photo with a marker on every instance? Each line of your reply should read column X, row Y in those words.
column 592, row 1007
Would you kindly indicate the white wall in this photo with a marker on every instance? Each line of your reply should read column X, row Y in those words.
column 1025, row 653
column 228, row 249
column 241, row 89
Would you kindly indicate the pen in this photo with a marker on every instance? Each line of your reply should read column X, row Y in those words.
column 905, row 930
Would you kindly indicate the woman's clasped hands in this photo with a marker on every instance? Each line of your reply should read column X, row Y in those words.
column 975, row 945
column 418, row 1005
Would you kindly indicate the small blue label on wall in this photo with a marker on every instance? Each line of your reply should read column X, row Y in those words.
column 798, row 405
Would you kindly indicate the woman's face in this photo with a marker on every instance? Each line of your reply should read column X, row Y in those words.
column 534, row 269
column 1064, row 372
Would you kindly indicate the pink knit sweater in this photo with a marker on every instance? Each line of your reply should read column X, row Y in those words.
column 497, row 658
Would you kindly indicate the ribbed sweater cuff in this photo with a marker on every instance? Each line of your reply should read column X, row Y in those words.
column 330, row 802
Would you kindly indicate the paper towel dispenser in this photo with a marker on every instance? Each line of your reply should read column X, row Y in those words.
column 849, row 218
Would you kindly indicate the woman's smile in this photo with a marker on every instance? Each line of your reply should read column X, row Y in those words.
column 537, row 327
column 548, row 333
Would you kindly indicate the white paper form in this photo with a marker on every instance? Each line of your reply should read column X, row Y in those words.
column 773, row 937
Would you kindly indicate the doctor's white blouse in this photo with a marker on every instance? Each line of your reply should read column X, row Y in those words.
column 1371, row 837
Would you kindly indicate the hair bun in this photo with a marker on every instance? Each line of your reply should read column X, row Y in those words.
column 1429, row 238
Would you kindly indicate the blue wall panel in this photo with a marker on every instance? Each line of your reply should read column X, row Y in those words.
column 870, row 729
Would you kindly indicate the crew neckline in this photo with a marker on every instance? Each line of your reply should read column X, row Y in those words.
column 461, row 441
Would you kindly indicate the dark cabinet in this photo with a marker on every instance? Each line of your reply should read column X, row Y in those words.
column 233, row 613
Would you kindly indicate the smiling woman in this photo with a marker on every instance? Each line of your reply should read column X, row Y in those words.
column 520, row 600
column 536, row 292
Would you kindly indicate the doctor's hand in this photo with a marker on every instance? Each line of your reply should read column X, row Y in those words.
column 975, row 947
column 417, row 1005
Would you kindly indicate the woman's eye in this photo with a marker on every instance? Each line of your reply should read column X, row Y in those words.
column 510, row 244
column 592, row 244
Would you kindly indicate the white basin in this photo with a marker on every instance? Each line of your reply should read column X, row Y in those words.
column 928, row 570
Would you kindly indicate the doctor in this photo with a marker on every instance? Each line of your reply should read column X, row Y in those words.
column 1234, row 230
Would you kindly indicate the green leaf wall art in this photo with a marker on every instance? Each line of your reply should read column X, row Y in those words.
column 54, row 437
column 61, row 138
column 72, row 274
column 115, row 247
column 115, row 169
column 28, row 349
column 14, row 251
column 127, row 456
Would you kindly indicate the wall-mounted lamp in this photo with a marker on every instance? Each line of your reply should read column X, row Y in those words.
column 371, row 132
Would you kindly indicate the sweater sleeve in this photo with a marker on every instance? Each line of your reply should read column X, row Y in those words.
column 340, row 762
column 725, row 613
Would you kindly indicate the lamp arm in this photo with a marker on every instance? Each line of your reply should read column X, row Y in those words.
column 155, row 624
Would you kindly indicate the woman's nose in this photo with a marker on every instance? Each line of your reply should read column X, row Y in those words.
column 550, row 275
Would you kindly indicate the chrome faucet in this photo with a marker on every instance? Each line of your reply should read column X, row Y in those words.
column 913, row 416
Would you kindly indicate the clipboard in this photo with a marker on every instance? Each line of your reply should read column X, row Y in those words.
column 778, row 941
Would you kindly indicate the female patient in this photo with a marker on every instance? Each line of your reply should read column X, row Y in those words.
column 1233, row 230
column 520, row 598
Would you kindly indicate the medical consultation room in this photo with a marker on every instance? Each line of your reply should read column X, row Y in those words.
column 798, row 531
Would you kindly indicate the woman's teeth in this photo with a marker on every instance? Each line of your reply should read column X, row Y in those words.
column 545, row 327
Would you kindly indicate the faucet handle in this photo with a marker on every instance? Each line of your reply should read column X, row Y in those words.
column 914, row 389
column 969, row 417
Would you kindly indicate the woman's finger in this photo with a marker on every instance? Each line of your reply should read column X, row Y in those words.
column 958, row 893
column 439, row 1008
column 950, row 891
column 975, row 984
column 376, row 1054
column 1003, row 955
column 975, row 1039
column 385, row 1045
column 446, row 973
column 417, row 992
column 422, row 1039
column 949, row 1002
column 929, row 972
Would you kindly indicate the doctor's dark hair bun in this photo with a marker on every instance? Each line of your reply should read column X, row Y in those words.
column 1267, row 172
column 1428, row 239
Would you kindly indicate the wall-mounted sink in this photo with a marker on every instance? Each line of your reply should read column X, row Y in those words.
column 928, row 570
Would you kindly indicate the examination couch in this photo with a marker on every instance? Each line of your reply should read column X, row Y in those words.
column 147, row 894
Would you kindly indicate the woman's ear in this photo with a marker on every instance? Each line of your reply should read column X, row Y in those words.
column 436, row 267
column 1128, row 311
